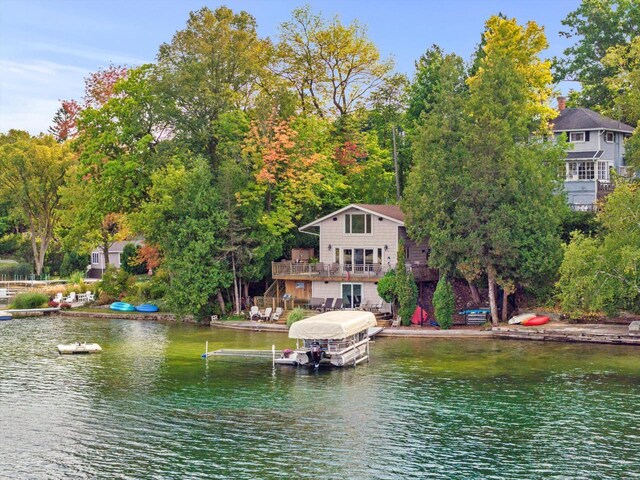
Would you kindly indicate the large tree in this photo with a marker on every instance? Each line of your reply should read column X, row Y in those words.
column 485, row 188
column 212, row 66
column 332, row 67
column 597, row 25
column 32, row 171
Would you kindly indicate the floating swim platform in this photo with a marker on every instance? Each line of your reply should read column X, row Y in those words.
column 146, row 308
column 71, row 348
column 122, row 307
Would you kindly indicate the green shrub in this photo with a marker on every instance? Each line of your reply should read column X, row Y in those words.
column 29, row 300
column 295, row 315
column 129, row 254
column 444, row 303
column 16, row 269
column 73, row 262
column 116, row 282
column 387, row 287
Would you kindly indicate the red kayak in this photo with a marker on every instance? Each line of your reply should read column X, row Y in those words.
column 535, row 321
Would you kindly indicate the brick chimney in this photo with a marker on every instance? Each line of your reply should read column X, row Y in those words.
column 562, row 103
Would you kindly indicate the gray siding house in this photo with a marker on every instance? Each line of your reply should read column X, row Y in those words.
column 598, row 149
column 96, row 268
column 358, row 244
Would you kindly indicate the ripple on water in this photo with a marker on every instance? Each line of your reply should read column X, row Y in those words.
column 148, row 407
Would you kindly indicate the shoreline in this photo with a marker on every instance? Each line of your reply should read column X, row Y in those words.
column 553, row 332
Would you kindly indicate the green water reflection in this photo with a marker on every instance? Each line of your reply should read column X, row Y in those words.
column 150, row 407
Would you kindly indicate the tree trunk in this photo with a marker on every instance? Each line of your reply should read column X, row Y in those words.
column 395, row 163
column 223, row 307
column 245, row 285
column 505, row 305
column 34, row 247
column 236, row 289
column 475, row 295
column 492, row 294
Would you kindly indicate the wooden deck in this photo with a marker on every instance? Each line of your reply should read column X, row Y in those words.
column 557, row 332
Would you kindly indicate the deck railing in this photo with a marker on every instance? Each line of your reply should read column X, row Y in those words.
column 345, row 271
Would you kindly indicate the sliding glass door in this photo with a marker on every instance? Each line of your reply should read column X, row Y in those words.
column 352, row 295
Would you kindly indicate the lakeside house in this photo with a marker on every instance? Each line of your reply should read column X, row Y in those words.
column 598, row 148
column 358, row 244
column 96, row 268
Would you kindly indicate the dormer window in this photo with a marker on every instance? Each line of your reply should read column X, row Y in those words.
column 576, row 137
column 609, row 137
column 357, row 223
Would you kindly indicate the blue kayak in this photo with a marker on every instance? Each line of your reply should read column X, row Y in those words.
column 147, row 308
column 122, row 307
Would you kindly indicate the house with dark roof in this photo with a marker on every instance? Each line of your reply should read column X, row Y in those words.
column 358, row 244
column 598, row 149
column 97, row 266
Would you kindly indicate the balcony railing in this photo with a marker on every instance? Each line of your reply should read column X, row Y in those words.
column 319, row 271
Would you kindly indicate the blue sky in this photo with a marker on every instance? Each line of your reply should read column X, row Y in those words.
column 47, row 47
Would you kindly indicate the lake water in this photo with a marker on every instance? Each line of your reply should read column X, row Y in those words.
column 150, row 407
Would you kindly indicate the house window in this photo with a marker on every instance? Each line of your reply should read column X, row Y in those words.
column 337, row 250
column 609, row 137
column 603, row 171
column 357, row 223
column 580, row 171
column 95, row 258
column 576, row 137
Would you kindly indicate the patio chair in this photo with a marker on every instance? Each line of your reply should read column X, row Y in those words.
column 396, row 322
column 375, row 307
column 365, row 305
column 267, row 314
column 4, row 294
column 71, row 298
column 339, row 305
column 327, row 305
column 254, row 313
column 315, row 303
column 90, row 296
column 58, row 297
column 277, row 314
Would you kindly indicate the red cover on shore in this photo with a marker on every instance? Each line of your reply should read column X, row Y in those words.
column 415, row 318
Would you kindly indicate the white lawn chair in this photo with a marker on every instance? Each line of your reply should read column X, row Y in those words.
column 58, row 297
column 254, row 313
column 71, row 298
column 267, row 314
column 277, row 314
column 90, row 296
column 396, row 321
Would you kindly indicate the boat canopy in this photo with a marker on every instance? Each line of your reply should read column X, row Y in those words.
column 332, row 325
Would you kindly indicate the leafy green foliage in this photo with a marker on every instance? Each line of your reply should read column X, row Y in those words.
column 183, row 217
column 406, row 289
column 444, row 303
column 598, row 25
column 72, row 262
column 295, row 315
column 603, row 273
column 29, row 300
column 127, row 260
column 115, row 282
column 16, row 269
column 387, row 287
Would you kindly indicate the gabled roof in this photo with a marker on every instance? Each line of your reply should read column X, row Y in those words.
column 390, row 212
column 584, row 119
column 116, row 247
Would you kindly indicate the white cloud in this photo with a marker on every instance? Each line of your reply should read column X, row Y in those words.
column 78, row 51
column 30, row 91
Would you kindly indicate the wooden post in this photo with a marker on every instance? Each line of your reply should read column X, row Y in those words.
column 273, row 354
column 206, row 349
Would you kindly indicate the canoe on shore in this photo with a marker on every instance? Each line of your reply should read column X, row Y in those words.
column 535, row 321
column 523, row 317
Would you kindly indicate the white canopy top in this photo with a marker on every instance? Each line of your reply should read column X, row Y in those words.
column 332, row 325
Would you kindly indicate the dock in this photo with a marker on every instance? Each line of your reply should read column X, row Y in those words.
column 594, row 333
column 29, row 312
